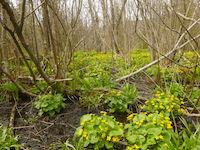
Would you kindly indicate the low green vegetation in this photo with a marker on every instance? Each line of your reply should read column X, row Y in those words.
column 120, row 101
column 50, row 103
column 94, row 80
column 7, row 141
column 152, row 129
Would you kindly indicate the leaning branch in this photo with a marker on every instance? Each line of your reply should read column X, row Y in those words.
column 154, row 62
column 16, row 84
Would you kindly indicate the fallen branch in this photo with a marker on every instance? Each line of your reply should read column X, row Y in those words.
column 155, row 61
column 41, row 79
column 12, row 116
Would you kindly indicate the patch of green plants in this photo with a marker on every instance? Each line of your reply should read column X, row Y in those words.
column 7, row 141
column 43, row 85
column 161, row 104
column 92, row 101
column 50, row 103
column 188, row 138
column 67, row 145
column 98, row 132
column 12, row 88
column 148, row 132
column 120, row 101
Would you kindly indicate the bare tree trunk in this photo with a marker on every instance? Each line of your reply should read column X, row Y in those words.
column 18, row 29
column 4, row 45
column 95, row 24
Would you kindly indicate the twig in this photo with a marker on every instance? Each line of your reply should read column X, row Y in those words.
column 12, row 117
column 155, row 61
column 22, row 127
column 51, row 124
column 71, row 125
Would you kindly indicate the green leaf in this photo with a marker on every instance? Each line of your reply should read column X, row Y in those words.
column 93, row 136
column 40, row 112
column 63, row 105
column 52, row 112
column 132, row 138
column 111, row 123
column 141, row 139
column 150, row 141
column 166, row 136
column 119, row 131
column 109, row 144
column 86, row 143
column 76, row 134
column 154, row 131
column 85, row 117
column 44, row 105
column 37, row 105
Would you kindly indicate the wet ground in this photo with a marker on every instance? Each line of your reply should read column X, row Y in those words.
column 39, row 132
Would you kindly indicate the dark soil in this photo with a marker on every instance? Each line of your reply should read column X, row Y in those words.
column 39, row 132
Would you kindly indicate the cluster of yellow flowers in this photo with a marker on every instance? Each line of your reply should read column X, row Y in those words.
column 159, row 137
column 116, row 93
column 131, row 116
column 104, row 113
column 162, row 103
column 140, row 122
column 135, row 146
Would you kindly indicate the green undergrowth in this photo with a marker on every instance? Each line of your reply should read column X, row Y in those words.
column 7, row 141
column 149, row 130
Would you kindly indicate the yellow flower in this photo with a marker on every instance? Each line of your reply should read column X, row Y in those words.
column 108, row 138
column 161, row 115
column 136, row 147
column 80, row 132
column 169, row 126
column 167, row 118
column 121, row 124
column 161, row 107
column 119, row 93
column 165, row 144
column 39, row 96
column 154, row 121
column 84, row 134
column 50, row 92
column 141, row 120
column 107, row 128
column 131, row 116
column 113, row 92
column 103, row 135
column 92, row 120
column 157, row 137
column 92, row 114
column 87, row 138
column 115, row 139
column 142, row 107
column 161, row 137
column 104, row 113
column 150, row 115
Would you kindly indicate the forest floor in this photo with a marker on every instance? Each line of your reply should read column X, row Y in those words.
column 45, row 132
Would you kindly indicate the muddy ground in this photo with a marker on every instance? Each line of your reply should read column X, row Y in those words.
column 39, row 132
